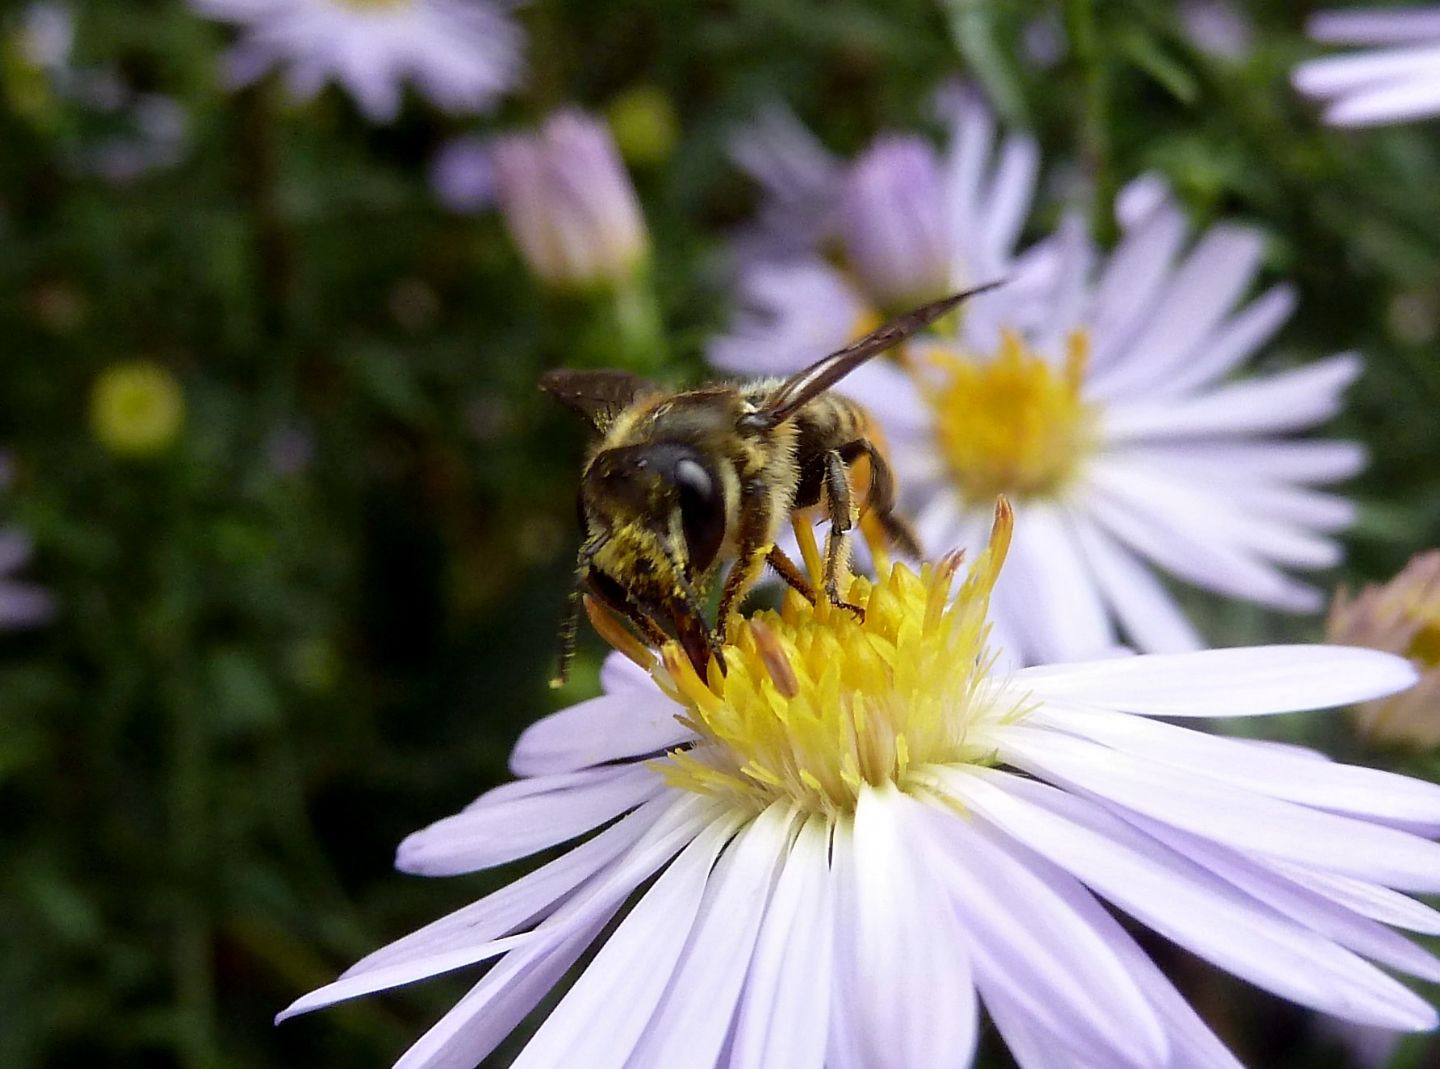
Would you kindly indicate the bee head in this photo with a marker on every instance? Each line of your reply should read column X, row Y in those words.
column 657, row 500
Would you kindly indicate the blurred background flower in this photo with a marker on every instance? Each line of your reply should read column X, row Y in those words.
column 569, row 205
column 1096, row 397
column 22, row 604
column 1401, row 616
column 1394, row 77
column 306, row 581
column 460, row 54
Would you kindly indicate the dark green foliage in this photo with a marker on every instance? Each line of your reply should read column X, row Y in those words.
column 319, row 620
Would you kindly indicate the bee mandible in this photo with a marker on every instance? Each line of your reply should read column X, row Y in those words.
column 677, row 483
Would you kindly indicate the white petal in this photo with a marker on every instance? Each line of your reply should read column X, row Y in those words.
column 1359, row 70
column 1027, row 943
column 619, row 674
column 1412, row 98
column 515, row 827
column 1287, row 401
column 1068, row 619
column 1267, row 461
column 1147, row 612
column 1375, row 26
column 595, row 904
column 1185, row 903
column 631, row 723
column 690, row 1025
column 1185, row 545
column 1136, row 271
column 783, row 1019
column 1233, row 342
column 1251, row 822
column 477, row 1024
column 898, row 953
column 1366, row 898
column 532, row 895
column 1202, row 290
column 1212, row 513
column 1365, row 937
column 1365, row 792
column 604, row 1014
column 1249, row 681
column 1192, row 1044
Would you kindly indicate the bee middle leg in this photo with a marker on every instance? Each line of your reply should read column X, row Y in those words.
column 842, row 518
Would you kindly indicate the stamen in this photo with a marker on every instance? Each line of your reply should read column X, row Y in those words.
column 608, row 627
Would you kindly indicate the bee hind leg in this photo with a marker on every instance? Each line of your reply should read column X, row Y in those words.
column 880, row 499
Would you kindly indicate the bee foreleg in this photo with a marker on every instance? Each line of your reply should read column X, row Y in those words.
column 787, row 570
column 756, row 536
column 841, row 508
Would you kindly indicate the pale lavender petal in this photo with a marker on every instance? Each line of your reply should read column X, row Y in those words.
column 1186, row 903
column 697, row 1011
column 1318, row 913
column 630, row 724
column 604, row 1015
column 1351, row 789
column 1027, row 943
column 1145, row 609
column 518, row 826
column 782, row 1021
column 1375, row 26
column 1252, row 822
column 1288, row 401
column 1234, row 682
column 1398, row 101
column 898, row 951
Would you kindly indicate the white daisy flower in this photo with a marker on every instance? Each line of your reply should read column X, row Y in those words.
column 461, row 54
column 835, row 853
column 22, row 604
column 1395, row 79
column 1099, row 400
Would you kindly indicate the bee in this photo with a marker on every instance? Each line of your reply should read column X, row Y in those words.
column 675, row 484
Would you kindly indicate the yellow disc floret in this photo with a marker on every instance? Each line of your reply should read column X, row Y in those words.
column 816, row 701
column 1013, row 425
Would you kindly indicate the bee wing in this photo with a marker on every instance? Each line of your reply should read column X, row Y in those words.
column 596, row 395
column 804, row 386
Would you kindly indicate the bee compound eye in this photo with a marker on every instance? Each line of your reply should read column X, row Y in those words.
column 702, row 513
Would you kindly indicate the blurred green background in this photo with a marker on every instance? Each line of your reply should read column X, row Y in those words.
column 314, row 615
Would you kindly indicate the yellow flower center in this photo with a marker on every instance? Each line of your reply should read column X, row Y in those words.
column 817, row 701
column 136, row 409
column 1013, row 425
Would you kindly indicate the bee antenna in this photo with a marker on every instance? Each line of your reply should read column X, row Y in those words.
column 569, row 631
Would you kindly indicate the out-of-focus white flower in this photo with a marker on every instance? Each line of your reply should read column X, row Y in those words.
column 569, row 204
column 1099, row 400
column 462, row 175
column 461, row 54
column 47, row 35
column 1217, row 27
column 1402, row 616
column 837, row 851
column 22, row 604
column 1394, row 80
